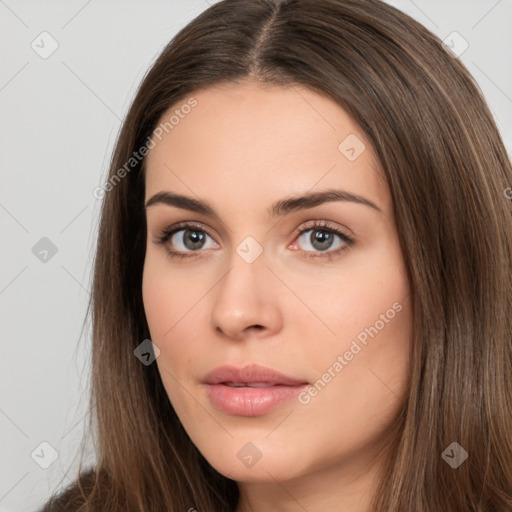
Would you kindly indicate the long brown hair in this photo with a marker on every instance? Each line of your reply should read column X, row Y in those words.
column 447, row 169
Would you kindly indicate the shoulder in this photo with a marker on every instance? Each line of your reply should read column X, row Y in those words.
column 71, row 498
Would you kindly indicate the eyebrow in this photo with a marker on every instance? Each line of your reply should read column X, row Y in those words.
column 278, row 209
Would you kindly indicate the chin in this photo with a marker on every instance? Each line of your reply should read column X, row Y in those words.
column 253, row 462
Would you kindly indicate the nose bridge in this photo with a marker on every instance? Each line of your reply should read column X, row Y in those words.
column 244, row 297
column 247, row 266
column 249, row 250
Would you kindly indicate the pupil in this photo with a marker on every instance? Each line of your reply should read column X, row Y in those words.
column 196, row 238
column 321, row 237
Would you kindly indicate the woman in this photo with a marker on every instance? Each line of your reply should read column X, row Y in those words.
column 303, row 278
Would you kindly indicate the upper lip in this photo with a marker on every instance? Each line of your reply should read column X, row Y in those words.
column 250, row 373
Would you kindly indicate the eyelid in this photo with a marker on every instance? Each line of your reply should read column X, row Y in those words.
column 314, row 223
column 169, row 231
column 328, row 225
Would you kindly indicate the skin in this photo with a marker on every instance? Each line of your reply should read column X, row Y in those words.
column 240, row 149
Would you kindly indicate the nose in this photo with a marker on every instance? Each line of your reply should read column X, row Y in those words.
column 247, row 300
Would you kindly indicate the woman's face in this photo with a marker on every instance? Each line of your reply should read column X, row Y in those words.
column 313, row 289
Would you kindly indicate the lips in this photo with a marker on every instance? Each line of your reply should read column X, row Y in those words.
column 248, row 384
column 251, row 375
column 250, row 391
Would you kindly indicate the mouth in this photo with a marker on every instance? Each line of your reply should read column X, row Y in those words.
column 250, row 391
column 252, row 375
column 249, row 384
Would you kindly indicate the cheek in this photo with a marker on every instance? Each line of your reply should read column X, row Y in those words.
column 173, row 312
column 165, row 295
column 367, row 305
column 360, row 396
column 168, row 305
column 352, row 297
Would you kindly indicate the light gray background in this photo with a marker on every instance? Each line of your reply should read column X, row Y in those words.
column 59, row 118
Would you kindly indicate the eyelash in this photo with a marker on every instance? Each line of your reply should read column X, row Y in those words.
column 166, row 234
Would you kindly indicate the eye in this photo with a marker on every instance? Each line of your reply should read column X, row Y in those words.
column 327, row 241
column 186, row 237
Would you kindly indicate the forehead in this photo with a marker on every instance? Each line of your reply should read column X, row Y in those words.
column 261, row 141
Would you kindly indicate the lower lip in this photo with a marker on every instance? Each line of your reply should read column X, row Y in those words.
column 246, row 401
